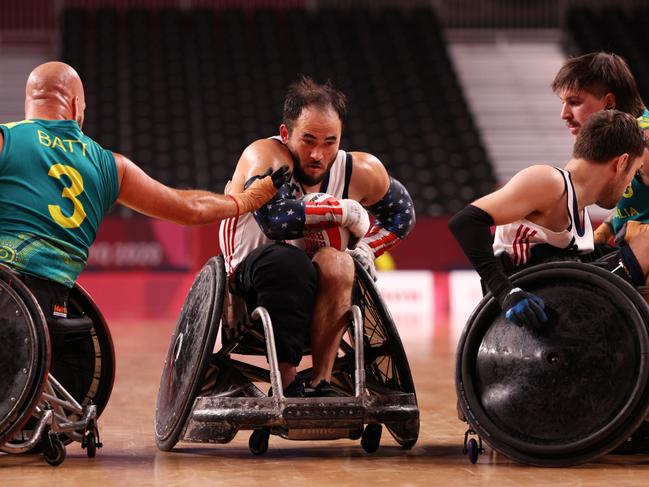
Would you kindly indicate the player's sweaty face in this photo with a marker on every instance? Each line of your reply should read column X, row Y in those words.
column 577, row 106
column 313, row 143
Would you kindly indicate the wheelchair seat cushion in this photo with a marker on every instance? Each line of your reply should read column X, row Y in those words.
column 68, row 326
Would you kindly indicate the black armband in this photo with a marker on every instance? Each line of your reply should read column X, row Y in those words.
column 471, row 228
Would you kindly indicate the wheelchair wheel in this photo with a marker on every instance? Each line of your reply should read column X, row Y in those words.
column 258, row 442
column 189, row 353
column 24, row 354
column 386, row 366
column 86, row 363
column 91, row 445
column 472, row 450
column 568, row 393
column 54, row 452
column 371, row 438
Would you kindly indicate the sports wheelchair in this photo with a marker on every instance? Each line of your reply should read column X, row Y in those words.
column 57, row 374
column 570, row 392
column 207, row 396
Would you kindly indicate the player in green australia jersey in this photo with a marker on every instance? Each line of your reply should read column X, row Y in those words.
column 630, row 217
column 56, row 185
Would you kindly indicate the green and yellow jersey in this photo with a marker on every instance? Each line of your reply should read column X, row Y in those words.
column 56, row 184
column 634, row 204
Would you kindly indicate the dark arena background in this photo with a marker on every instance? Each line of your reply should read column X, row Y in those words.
column 453, row 96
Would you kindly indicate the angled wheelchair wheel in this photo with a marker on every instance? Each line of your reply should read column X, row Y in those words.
column 24, row 354
column 189, row 352
column 84, row 363
column 570, row 392
column 386, row 365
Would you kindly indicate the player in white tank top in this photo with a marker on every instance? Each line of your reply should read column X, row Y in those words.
column 309, row 143
column 271, row 274
column 543, row 206
column 520, row 237
column 239, row 236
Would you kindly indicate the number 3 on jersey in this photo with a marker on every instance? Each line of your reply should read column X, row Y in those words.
column 71, row 193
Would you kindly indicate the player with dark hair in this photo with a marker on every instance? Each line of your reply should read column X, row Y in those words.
column 600, row 81
column 300, row 293
column 542, row 211
column 594, row 82
column 56, row 185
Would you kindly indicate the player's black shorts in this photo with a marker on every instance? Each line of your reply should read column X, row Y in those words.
column 282, row 279
column 52, row 297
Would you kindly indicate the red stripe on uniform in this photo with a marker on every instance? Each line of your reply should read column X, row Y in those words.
column 230, row 232
column 224, row 236
column 528, row 246
column 522, row 243
column 515, row 244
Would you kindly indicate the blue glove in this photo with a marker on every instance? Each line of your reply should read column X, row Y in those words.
column 524, row 309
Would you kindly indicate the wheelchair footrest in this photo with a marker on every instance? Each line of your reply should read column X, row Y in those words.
column 322, row 433
column 215, row 419
column 323, row 416
column 391, row 408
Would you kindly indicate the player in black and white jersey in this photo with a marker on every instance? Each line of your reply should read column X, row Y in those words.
column 542, row 210
column 306, row 295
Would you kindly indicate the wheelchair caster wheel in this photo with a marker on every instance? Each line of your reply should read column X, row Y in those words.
column 54, row 450
column 371, row 438
column 91, row 445
column 407, row 445
column 258, row 442
column 472, row 447
column 472, row 450
column 356, row 434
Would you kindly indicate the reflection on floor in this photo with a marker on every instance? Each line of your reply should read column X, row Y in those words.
column 129, row 456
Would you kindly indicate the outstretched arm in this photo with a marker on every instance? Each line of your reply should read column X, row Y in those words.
column 144, row 194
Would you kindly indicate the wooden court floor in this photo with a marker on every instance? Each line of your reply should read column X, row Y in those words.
column 130, row 457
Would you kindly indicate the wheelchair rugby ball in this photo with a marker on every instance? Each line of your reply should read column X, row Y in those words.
column 336, row 237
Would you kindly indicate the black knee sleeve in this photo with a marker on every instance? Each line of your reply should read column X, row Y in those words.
column 282, row 279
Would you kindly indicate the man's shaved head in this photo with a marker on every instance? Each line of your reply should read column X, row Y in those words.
column 54, row 91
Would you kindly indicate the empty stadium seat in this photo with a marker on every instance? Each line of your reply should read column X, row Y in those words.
column 183, row 93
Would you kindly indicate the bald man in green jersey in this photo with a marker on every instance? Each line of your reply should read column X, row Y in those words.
column 56, row 185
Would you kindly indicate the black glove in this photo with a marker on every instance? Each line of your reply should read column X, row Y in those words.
column 524, row 309
column 279, row 177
